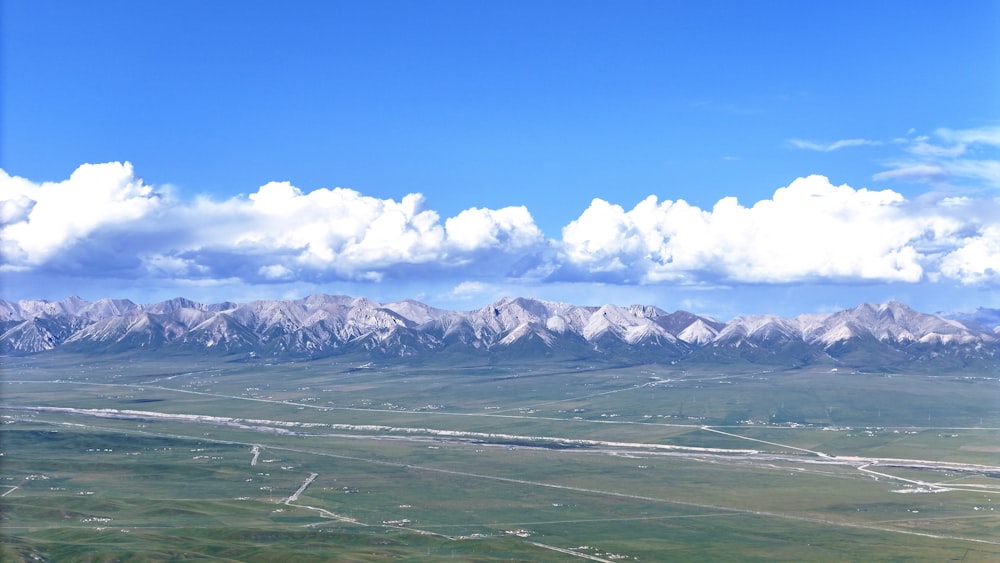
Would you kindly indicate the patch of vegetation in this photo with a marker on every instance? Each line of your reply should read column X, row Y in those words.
column 548, row 461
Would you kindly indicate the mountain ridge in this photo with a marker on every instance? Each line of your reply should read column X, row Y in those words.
column 868, row 335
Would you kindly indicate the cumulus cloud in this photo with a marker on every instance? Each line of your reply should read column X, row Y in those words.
column 105, row 222
column 830, row 147
column 810, row 230
column 277, row 233
column 510, row 228
column 40, row 220
column 337, row 229
column 977, row 260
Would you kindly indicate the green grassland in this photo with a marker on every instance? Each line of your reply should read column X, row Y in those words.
column 346, row 460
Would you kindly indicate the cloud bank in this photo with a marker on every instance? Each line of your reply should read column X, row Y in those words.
column 104, row 218
column 104, row 221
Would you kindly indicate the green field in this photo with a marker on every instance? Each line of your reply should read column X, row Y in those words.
column 125, row 459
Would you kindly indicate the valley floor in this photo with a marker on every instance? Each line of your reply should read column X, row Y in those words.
column 320, row 461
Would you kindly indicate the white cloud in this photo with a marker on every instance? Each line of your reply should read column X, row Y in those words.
column 921, row 147
column 15, row 209
column 810, row 230
column 275, row 272
column 278, row 232
column 105, row 222
column 468, row 290
column 42, row 219
column 983, row 135
column 977, row 260
column 510, row 228
column 913, row 173
column 830, row 147
column 331, row 229
column 950, row 157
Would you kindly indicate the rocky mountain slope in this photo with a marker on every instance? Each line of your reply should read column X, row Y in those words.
column 865, row 336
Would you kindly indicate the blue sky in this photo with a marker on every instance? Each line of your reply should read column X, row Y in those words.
column 504, row 148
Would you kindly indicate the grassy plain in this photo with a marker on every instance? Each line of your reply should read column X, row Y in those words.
column 122, row 459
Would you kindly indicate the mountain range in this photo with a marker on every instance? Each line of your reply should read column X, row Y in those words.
column 868, row 336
